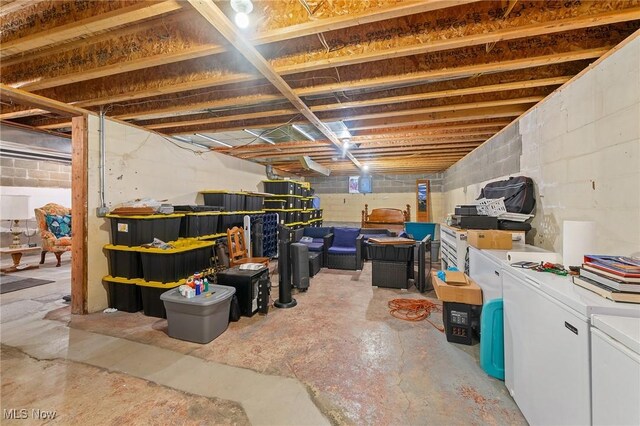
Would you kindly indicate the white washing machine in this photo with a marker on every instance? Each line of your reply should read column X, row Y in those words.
column 615, row 370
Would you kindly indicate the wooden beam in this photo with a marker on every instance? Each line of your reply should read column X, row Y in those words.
column 9, row 94
column 200, row 106
column 350, row 20
column 515, row 85
column 119, row 17
column 223, row 119
column 219, row 20
column 433, row 118
column 122, row 67
column 79, row 214
column 352, row 115
column 424, row 129
column 457, row 72
column 440, row 108
column 532, row 30
column 22, row 113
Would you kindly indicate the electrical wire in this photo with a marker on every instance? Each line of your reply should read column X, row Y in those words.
column 414, row 310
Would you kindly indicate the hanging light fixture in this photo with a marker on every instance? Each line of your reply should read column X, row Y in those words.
column 242, row 8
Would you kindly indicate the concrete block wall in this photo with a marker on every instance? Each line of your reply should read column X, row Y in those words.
column 34, row 173
column 394, row 191
column 497, row 157
column 581, row 147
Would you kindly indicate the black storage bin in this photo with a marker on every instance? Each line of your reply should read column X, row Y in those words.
column 391, row 253
column 229, row 200
column 305, row 216
column 461, row 322
column 152, row 305
column 124, row 295
column 194, row 208
column 391, row 274
column 137, row 230
column 229, row 220
column 253, row 202
column 124, row 261
column 297, row 216
column 286, row 187
column 199, row 224
column 274, row 203
column 171, row 265
column 290, row 202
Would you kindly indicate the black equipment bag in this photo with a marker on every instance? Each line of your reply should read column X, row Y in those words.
column 517, row 193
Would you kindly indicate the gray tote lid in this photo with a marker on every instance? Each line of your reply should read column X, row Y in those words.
column 216, row 294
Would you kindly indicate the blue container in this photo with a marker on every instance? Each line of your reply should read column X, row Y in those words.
column 419, row 230
column 492, row 341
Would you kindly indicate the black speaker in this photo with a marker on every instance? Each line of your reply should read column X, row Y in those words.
column 300, row 266
column 284, row 270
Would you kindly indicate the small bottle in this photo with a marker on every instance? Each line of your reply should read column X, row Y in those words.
column 206, row 285
column 197, row 290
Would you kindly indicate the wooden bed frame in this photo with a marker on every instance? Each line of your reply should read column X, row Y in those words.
column 392, row 219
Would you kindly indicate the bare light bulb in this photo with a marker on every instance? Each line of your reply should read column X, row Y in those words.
column 365, row 167
column 242, row 20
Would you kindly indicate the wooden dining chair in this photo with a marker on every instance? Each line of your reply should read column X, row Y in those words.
column 238, row 252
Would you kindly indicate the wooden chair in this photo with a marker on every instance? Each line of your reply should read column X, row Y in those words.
column 238, row 252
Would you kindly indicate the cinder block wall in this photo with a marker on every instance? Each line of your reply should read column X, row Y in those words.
column 34, row 173
column 581, row 147
column 394, row 191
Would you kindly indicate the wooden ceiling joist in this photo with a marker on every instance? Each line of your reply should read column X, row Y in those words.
column 221, row 23
column 350, row 20
column 9, row 94
column 458, row 72
column 437, row 45
column 118, row 17
column 352, row 115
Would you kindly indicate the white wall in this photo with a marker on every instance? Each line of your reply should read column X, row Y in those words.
column 581, row 146
column 141, row 164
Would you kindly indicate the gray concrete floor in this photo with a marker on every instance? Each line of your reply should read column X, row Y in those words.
column 338, row 357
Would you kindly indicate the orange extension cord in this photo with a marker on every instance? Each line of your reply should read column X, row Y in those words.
column 414, row 310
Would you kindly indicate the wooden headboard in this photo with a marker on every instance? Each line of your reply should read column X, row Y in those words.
column 392, row 219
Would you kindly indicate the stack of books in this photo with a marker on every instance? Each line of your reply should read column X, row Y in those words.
column 615, row 277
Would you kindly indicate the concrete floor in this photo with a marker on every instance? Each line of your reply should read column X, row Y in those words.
column 337, row 357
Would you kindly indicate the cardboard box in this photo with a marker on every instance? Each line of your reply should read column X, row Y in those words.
column 490, row 239
column 470, row 294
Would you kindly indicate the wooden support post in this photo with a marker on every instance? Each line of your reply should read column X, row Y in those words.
column 79, row 182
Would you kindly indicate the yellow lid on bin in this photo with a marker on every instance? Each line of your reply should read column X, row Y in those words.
column 150, row 216
column 219, row 191
column 120, row 247
column 120, row 280
column 158, row 284
column 179, row 246
column 216, row 213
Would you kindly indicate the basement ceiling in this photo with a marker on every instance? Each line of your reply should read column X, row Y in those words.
column 412, row 86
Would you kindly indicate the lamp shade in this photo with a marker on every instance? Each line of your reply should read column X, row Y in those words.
column 14, row 207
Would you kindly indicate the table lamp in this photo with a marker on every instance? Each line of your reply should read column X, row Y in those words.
column 15, row 208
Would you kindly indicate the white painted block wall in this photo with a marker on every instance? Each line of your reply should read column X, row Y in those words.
column 142, row 164
column 581, row 146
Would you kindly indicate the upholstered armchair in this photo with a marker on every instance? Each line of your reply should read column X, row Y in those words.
column 54, row 222
column 344, row 249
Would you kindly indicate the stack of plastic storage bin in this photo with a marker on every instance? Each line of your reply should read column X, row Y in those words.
column 292, row 201
column 138, row 275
